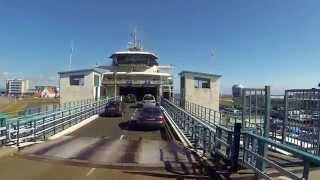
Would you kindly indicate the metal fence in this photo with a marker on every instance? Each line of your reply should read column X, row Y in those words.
column 208, row 132
column 262, row 163
column 295, row 119
column 221, row 118
column 206, row 136
column 301, row 125
column 40, row 126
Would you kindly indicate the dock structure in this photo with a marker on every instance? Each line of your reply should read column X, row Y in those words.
column 196, row 141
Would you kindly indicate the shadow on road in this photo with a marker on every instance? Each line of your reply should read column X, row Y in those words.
column 134, row 126
column 109, row 115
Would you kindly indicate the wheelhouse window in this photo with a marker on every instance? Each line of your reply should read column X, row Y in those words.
column 202, row 83
column 96, row 80
column 77, row 80
column 183, row 81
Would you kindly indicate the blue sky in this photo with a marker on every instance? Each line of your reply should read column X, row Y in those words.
column 254, row 42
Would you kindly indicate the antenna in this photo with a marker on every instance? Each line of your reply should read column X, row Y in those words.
column 71, row 53
column 135, row 44
column 135, row 37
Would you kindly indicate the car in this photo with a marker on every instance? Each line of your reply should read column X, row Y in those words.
column 130, row 98
column 149, row 101
column 151, row 116
column 113, row 108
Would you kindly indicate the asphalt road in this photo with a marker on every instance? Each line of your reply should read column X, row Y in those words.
column 123, row 127
column 116, row 129
column 16, row 168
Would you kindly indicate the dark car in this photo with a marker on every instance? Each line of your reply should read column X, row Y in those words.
column 130, row 98
column 151, row 116
column 113, row 108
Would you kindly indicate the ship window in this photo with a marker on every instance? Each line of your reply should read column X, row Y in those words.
column 201, row 83
column 77, row 80
column 182, row 80
column 96, row 80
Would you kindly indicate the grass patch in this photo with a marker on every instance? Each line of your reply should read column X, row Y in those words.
column 13, row 107
column 226, row 101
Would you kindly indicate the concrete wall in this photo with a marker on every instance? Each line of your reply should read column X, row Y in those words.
column 203, row 96
column 73, row 93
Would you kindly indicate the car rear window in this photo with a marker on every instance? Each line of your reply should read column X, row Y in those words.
column 148, row 98
column 112, row 103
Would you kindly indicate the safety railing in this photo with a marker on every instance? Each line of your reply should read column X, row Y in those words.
column 235, row 145
column 253, row 157
column 40, row 126
column 206, row 136
column 3, row 128
column 213, row 117
column 56, row 107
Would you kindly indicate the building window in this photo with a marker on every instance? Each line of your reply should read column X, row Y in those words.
column 96, row 80
column 201, row 83
column 77, row 80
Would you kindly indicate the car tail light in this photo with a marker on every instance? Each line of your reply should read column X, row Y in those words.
column 160, row 118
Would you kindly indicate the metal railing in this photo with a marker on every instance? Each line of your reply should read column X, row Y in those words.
column 3, row 129
column 244, row 147
column 40, row 126
column 213, row 117
column 206, row 136
column 251, row 150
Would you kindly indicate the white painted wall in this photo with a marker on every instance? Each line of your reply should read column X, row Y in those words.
column 203, row 96
column 73, row 93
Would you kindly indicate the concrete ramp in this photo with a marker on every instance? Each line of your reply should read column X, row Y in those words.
column 104, row 152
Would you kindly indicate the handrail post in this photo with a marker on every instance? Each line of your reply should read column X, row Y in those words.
column 43, row 129
column 243, row 108
column 262, row 146
column 62, row 118
column 219, row 135
column 54, row 123
column 34, row 130
column 285, row 120
column 209, row 116
column 18, row 132
column 201, row 114
column 235, row 147
column 229, row 142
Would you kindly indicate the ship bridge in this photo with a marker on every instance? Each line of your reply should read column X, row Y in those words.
column 132, row 71
column 137, row 71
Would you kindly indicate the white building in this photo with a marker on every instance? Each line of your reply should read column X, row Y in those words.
column 133, row 71
column 200, row 88
column 80, row 84
column 17, row 87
